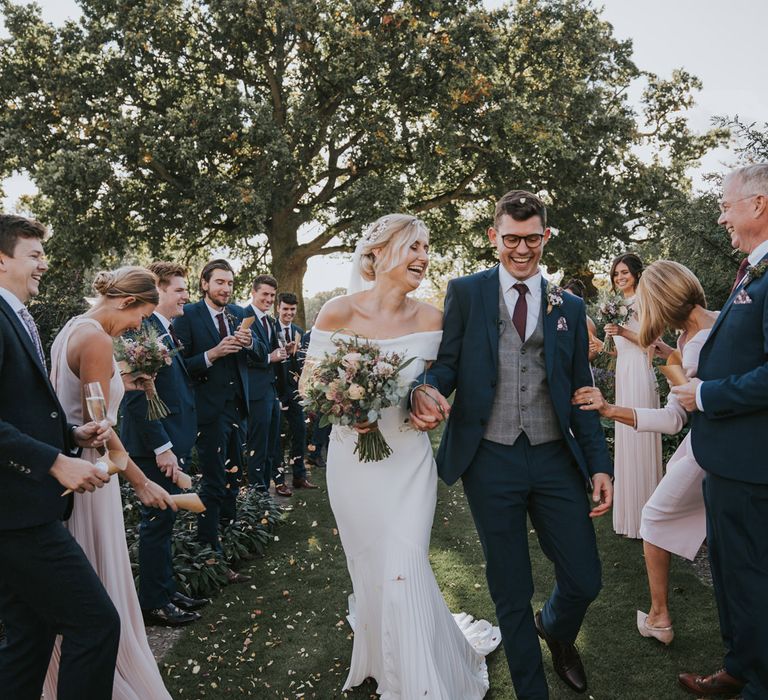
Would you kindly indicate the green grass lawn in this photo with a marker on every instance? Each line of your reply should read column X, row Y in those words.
column 284, row 635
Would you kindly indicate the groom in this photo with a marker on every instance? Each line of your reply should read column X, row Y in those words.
column 513, row 350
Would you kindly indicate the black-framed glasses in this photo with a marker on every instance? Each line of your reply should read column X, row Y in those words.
column 532, row 240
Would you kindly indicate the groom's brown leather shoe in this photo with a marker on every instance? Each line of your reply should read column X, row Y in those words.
column 565, row 659
column 719, row 683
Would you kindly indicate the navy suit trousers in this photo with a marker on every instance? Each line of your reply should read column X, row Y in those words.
column 263, row 435
column 49, row 587
column 504, row 485
column 220, row 449
column 737, row 523
column 156, row 581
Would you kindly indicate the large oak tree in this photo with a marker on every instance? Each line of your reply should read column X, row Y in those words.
column 275, row 130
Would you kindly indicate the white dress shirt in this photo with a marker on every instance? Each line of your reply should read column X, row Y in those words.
column 754, row 257
column 214, row 313
column 533, row 297
column 16, row 305
column 166, row 325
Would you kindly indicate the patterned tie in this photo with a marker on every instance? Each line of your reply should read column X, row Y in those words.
column 29, row 322
column 520, row 314
column 222, row 328
column 741, row 273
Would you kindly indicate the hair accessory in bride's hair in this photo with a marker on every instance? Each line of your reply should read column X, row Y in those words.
column 375, row 230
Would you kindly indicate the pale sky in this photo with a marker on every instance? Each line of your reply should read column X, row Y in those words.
column 721, row 43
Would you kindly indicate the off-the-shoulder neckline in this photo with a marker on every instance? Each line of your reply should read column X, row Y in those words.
column 375, row 340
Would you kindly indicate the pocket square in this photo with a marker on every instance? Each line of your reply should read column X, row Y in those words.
column 562, row 324
column 742, row 298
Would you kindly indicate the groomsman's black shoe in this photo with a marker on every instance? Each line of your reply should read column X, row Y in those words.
column 565, row 659
column 234, row 577
column 169, row 615
column 188, row 604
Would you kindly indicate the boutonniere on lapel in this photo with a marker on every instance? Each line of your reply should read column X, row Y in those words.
column 755, row 272
column 555, row 298
column 232, row 322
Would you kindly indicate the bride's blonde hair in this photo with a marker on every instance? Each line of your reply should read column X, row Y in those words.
column 390, row 236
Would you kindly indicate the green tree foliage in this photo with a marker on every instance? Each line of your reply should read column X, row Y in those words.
column 275, row 130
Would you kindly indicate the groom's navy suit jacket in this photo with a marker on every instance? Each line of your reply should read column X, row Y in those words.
column 142, row 436
column 262, row 377
column 467, row 363
column 198, row 334
column 33, row 432
column 728, row 438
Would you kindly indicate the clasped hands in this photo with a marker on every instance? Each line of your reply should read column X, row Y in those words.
column 240, row 339
column 428, row 407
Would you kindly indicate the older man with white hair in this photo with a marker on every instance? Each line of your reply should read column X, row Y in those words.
column 729, row 401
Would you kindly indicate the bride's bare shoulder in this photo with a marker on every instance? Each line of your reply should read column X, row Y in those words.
column 430, row 317
column 336, row 313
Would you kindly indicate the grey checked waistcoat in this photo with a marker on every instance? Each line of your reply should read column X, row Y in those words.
column 522, row 403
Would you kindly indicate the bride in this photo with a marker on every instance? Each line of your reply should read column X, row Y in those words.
column 404, row 635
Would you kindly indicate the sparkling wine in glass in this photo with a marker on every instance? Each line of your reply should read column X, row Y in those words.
column 94, row 401
column 281, row 344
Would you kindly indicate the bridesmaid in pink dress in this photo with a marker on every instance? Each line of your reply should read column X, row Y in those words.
column 637, row 457
column 673, row 519
column 82, row 353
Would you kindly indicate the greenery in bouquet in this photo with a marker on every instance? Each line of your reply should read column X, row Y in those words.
column 614, row 309
column 144, row 352
column 353, row 386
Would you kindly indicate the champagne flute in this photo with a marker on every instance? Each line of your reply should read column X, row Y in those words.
column 96, row 404
column 282, row 345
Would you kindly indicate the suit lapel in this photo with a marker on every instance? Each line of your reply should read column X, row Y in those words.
column 490, row 295
column 727, row 306
column 23, row 334
column 550, row 331
column 208, row 322
column 168, row 340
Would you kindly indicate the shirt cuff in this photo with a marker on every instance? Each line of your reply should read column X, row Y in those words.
column 163, row 448
column 699, row 404
column 208, row 363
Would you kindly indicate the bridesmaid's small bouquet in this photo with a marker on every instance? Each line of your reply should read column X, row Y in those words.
column 613, row 308
column 353, row 386
column 144, row 352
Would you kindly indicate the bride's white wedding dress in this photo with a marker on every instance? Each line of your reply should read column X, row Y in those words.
column 404, row 635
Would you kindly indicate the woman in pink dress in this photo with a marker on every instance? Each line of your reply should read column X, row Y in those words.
column 673, row 519
column 637, row 456
column 82, row 353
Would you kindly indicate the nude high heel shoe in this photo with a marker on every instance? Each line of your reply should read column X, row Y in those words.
column 663, row 634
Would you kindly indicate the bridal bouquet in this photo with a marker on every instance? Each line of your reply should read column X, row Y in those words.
column 613, row 308
column 354, row 385
column 145, row 352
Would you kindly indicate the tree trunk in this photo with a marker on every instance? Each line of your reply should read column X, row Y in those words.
column 289, row 267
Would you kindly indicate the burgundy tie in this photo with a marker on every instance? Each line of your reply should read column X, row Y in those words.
column 222, row 328
column 741, row 273
column 265, row 324
column 287, row 335
column 174, row 337
column 520, row 313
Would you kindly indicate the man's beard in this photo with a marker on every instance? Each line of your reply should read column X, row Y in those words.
column 215, row 302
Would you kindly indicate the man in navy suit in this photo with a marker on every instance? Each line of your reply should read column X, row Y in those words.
column 262, row 447
column 214, row 348
column 287, row 305
column 161, row 448
column 47, row 586
column 514, row 349
column 729, row 405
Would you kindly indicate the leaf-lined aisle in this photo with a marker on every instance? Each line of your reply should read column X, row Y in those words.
column 285, row 634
